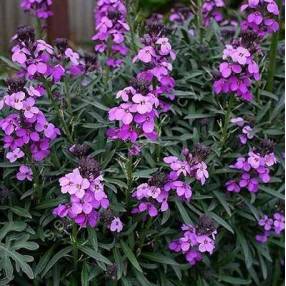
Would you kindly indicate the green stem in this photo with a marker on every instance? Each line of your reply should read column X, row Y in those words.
column 131, row 26
column 272, row 56
column 60, row 113
column 129, row 177
column 199, row 21
column 37, row 189
column 38, row 28
column 74, row 246
column 226, row 121
column 272, row 62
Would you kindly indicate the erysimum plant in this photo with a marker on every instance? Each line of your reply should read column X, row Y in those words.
column 154, row 158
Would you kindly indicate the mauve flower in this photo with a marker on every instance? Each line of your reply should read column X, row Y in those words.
column 201, row 172
column 266, row 222
column 193, row 257
column 146, row 54
column 116, row 225
column 29, row 109
column 206, row 244
column 165, row 46
column 262, row 238
column 232, row 186
column 15, row 155
column 38, row 8
column 25, row 173
column 239, row 121
column 279, row 222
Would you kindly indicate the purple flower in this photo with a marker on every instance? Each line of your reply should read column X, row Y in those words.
column 25, row 173
column 39, row 8
column 15, row 155
column 237, row 71
column 193, row 257
column 211, row 10
column 262, row 238
column 232, row 186
column 86, row 195
column 116, row 225
column 195, row 240
column 206, row 244
column 266, row 222
column 261, row 17
column 279, row 222
column 110, row 30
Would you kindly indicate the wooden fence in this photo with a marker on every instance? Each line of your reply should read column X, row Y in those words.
column 80, row 20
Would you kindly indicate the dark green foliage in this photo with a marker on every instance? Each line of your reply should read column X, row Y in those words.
column 37, row 248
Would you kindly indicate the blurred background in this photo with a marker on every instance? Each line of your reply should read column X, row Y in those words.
column 73, row 18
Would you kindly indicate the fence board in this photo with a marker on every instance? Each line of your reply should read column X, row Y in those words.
column 80, row 19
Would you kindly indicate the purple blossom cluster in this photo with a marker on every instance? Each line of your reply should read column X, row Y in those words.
column 27, row 132
column 39, row 8
column 153, row 196
column 180, row 14
column 37, row 59
column 254, row 168
column 211, row 10
column 271, row 226
column 143, row 98
column 245, row 128
column 87, row 197
column 110, row 30
column 237, row 72
column 261, row 17
column 195, row 240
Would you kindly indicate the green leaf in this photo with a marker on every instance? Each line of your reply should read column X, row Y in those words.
column 19, row 259
column 130, row 255
column 157, row 257
column 43, row 261
column 183, row 212
column 221, row 221
column 20, row 211
column 245, row 249
column 234, row 280
column 59, row 255
column 84, row 275
column 221, row 199
column 95, row 255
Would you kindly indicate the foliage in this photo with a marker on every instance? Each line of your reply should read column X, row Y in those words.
column 36, row 246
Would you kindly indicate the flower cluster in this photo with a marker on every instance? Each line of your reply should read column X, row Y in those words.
column 196, row 240
column 180, row 14
column 153, row 196
column 143, row 99
column 246, row 129
column 237, row 71
column 86, row 193
column 274, row 225
column 211, row 9
column 38, row 59
column 26, row 130
column 111, row 28
column 255, row 169
column 39, row 8
column 261, row 18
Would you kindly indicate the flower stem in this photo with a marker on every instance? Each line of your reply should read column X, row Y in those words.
column 131, row 26
column 60, row 113
column 272, row 62
column 226, row 121
column 74, row 246
column 273, row 55
column 38, row 28
column 129, row 176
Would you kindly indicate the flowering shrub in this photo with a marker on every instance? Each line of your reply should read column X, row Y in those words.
column 155, row 159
